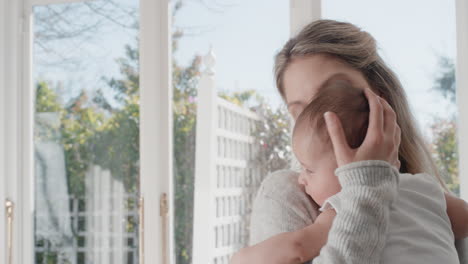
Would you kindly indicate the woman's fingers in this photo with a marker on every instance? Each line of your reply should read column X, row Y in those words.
column 391, row 128
column 393, row 131
column 398, row 164
column 397, row 144
column 338, row 138
column 397, row 136
column 390, row 120
column 376, row 121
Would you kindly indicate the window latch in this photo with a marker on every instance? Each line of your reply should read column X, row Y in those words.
column 9, row 206
column 163, row 212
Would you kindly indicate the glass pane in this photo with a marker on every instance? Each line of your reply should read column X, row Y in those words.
column 420, row 46
column 86, row 132
column 213, row 197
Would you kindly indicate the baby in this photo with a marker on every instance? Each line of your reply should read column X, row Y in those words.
column 423, row 220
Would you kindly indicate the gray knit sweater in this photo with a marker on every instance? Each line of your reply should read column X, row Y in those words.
column 358, row 233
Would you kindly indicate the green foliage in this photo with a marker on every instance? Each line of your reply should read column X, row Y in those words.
column 272, row 133
column 98, row 131
column 118, row 141
column 445, row 80
column 184, row 113
column 445, row 152
column 273, row 137
column 239, row 98
column 94, row 133
column 46, row 99
column 444, row 131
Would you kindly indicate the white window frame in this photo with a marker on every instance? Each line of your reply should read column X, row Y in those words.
column 302, row 12
column 156, row 126
column 3, row 141
column 11, row 32
column 461, row 9
column 16, row 124
column 156, row 115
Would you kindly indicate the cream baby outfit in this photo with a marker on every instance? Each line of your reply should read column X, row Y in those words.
column 419, row 228
column 365, row 228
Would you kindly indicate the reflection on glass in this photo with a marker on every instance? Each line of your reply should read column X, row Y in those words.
column 86, row 133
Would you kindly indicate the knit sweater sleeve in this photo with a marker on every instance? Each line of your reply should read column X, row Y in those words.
column 358, row 233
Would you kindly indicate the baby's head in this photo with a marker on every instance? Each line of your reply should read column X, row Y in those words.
column 311, row 142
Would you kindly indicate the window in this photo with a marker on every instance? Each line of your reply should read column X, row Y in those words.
column 223, row 143
column 419, row 44
column 79, row 158
column 86, row 132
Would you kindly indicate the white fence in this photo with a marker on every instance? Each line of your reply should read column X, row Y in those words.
column 226, row 176
column 111, row 220
column 103, row 223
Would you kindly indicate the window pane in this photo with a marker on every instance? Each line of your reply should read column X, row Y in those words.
column 216, row 177
column 86, row 132
column 417, row 39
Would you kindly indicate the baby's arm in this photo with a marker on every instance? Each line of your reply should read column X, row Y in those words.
column 289, row 247
column 457, row 210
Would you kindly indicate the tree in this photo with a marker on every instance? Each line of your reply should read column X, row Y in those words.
column 63, row 32
column 95, row 131
column 272, row 133
column 184, row 125
column 444, row 145
column 445, row 81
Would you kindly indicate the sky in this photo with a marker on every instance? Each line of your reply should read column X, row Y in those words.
column 245, row 35
column 87, row 61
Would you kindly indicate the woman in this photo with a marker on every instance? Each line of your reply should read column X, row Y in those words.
column 328, row 50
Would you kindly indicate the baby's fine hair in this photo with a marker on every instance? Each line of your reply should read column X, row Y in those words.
column 347, row 102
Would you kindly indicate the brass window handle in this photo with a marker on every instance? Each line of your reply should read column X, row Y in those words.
column 163, row 212
column 141, row 235
column 9, row 206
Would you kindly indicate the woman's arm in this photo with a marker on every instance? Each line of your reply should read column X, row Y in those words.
column 457, row 210
column 369, row 186
column 290, row 247
column 358, row 233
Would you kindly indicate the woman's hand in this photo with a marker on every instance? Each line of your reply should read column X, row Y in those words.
column 382, row 140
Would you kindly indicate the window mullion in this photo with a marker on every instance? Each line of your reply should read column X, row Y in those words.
column 302, row 12
column 156, row 127
column 462, row 93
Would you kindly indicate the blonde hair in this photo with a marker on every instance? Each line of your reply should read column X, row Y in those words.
column 358, row 49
